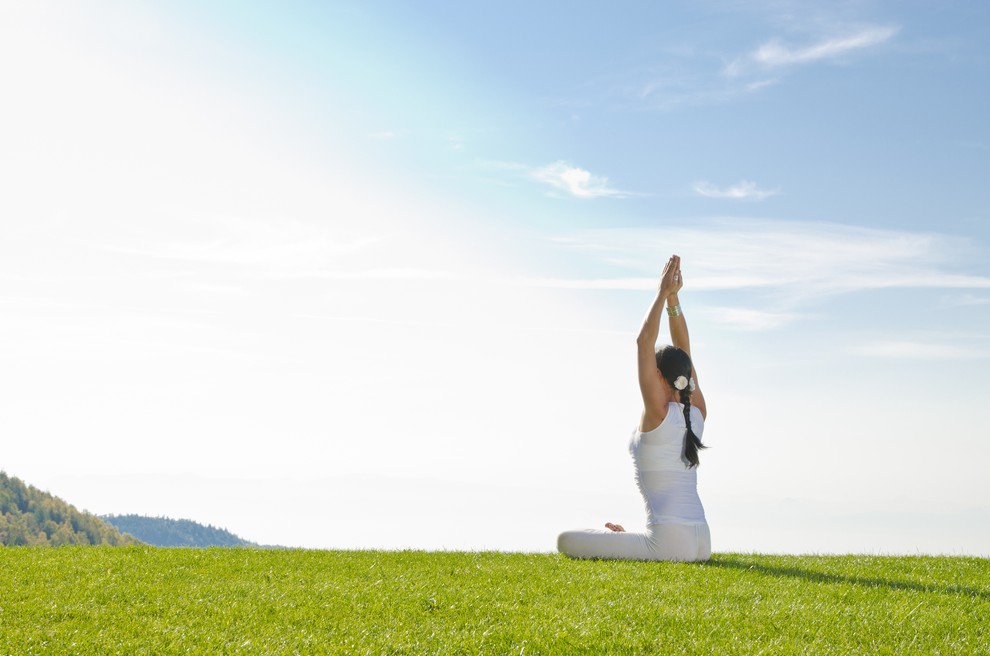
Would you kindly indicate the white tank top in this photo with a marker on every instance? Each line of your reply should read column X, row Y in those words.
column 668, row 486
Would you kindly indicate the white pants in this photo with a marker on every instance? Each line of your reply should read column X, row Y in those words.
column 668, row 541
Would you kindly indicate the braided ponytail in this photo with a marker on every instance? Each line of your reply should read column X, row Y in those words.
column 674, row 363
column 691, row 441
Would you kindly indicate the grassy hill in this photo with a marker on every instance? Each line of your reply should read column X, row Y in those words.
column 165, row 532
column 29, row 516
column 163, row 601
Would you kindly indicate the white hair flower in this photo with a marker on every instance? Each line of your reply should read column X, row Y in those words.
column 680, row 382
column 691, row 385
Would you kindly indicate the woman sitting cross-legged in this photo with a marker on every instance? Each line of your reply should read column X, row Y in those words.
column 664, row 448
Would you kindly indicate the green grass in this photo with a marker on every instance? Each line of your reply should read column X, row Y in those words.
column 136, row 600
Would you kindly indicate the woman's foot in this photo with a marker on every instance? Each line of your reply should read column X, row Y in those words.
column 617, row 528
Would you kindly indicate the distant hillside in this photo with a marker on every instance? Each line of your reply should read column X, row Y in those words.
column 29, row 516
column 165, row 532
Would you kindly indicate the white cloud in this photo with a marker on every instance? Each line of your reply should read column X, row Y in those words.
column 800, row 261
column 773, row 54
column 677, row 82
column 907, row 350
column 750, row 319
column 215, row 289
column 625, row 284
column 759, row 84
column 265, row 245
column 576, row 181
column 744, row 190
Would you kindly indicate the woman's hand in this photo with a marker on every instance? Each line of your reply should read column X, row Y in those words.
column 670, row 279
column 678, row 279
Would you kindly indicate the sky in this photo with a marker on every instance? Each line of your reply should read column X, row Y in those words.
column 369, row 274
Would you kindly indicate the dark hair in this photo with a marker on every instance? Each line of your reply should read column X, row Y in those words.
column 674, row 362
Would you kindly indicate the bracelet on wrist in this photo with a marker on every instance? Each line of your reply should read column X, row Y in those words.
column 674, row 311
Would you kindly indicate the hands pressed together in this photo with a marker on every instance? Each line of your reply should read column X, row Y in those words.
column 671, row 280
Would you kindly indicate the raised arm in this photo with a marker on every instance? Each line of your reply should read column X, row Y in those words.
column 654, row 397
column 680, row 338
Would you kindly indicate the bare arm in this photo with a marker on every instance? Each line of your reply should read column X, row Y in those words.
column 680, row 338
column 654, row 399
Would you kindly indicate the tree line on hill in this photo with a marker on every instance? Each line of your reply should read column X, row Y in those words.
column 165, row 532
column 29, row 517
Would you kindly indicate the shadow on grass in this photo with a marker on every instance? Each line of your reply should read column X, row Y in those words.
column 870, row 582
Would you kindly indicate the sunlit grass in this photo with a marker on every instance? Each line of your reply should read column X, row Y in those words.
column 134, row 600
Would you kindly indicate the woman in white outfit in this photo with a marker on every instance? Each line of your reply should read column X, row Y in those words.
column 664, row 447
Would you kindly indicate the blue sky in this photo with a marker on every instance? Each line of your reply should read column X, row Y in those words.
column 384, row 264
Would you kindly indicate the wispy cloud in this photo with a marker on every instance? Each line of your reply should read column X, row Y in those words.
column 693, row 74
column 907, row 350
column 576, row 181
column 215, row 289
column 286, row 250
column 736, row 317
column 686, row 87
column 258, row 248
column 243, row 252
column 774, row 54
column 395, row 273
column 749, row 318
column 744, row 190
column 632, row 284
column 798, row 262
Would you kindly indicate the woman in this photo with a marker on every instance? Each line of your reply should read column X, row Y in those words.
column 664, row 448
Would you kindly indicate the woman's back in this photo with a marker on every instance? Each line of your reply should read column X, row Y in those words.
column 668, row 485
